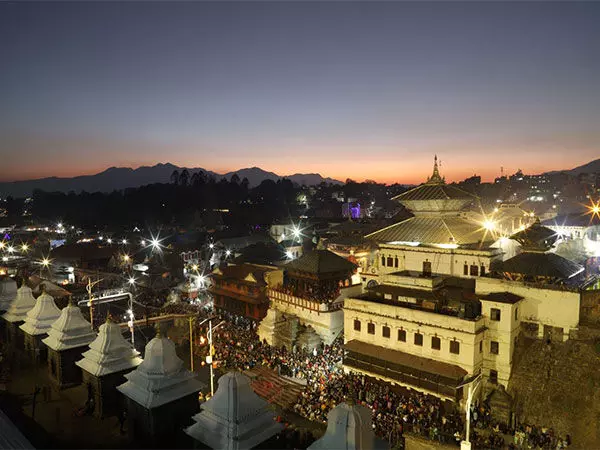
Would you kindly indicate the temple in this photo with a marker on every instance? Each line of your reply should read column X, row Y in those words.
column 161, row 394
column 67, row 338
column 104, row 365
column 349, row 428
column 16, row 314
column 307, row 308
column 235, row 418
column 37, row 324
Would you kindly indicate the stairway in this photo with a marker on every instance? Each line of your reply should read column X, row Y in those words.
column 275, row 389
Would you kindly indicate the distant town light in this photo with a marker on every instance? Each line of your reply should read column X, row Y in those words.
column 2, row 244
column 132, row 281
column 45, row 262
column 10, row 249
column 24, row 247
column 59, row 225
column 124, row 241
column 101, row 238
column 227, row 252
column 109, row 240
column 126, row 257
column 211, row 245
column 143, row 243
column 195, row 267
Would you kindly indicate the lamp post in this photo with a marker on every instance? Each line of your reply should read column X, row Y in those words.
column 209, row 358
column 473, row 385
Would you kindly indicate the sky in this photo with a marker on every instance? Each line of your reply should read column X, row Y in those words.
column 348, row 89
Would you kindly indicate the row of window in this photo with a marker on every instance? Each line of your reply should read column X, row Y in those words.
column 391, row 262
column 436, row 342
column 473, row 270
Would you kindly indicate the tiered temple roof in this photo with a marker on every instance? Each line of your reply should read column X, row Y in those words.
column 109, row 352
column 8, row 291
column 161, row 378
column 321, row 262
column 71, row 330
column 235, row 418
column 349, row 428
column 41, row 316
column 21, row 304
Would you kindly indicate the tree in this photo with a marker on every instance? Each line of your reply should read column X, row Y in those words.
column 184, row 177
column 195, row 180
column 235, row 178
column 175, row 177
column 245, row 184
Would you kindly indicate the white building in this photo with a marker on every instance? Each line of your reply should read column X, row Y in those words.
column 37, row 324
column 235, row 418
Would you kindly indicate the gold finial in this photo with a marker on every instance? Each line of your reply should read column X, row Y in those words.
column 435, row 177
column 350, row 396
column 158, row 332
column 109, row 318
column 71, row 301
column 42, row 287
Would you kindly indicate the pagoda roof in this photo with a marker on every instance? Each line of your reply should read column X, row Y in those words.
column 459, row 230
column 71, row 330
column 40, row 318
column 320, row 262
column 21, row 304
column 8, row 291
column 109, row 352
column 248, row 272
column 540, row 264
column 536, row 236
column 349, row 427
column 235, row 418
column 161, row 378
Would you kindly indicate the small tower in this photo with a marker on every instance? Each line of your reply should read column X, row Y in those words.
column 67, row 338
column 8, row 291
column 104, row 365
column 37, row 324
column 161, row 395
column 235, row 418
column 23, row 302
column 349, row 428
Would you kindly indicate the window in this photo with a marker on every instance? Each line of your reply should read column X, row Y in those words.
column 390, row 261
column 493, row 376
column 383, row 261
column 418, row 339
column 402, row 335
column 494, row 347
column 455, row 347
column 495, row 314
column 356, row 325
column 385, row 331
column 516, row 313
column 474, row 271
column 427, row 268
column 436, row 343
column 466, row 269
column 371, row 328
column 480, row 346
column 396, row 262
column 482, row 271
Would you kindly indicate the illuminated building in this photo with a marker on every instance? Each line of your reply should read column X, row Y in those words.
column 104, row 365
column 242, row 288
column 161, row 394
column 67, row 338
column 349, row 427
column 235, row 418
column 16, row 314
column 306, row 308
column 37, row 324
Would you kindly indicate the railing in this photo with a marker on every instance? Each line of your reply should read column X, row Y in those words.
column 304, row 303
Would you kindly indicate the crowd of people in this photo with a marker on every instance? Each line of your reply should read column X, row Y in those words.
column 395, row 410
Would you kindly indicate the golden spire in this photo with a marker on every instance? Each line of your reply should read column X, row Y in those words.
column 158, row 333
column 435, row 177
column 109, row 318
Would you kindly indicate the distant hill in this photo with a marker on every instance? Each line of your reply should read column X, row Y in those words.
column 117, row 178
column 591, row 167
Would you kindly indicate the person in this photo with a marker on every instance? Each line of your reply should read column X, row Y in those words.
column 122, row 418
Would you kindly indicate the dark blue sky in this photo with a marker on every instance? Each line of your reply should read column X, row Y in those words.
column 348, row 89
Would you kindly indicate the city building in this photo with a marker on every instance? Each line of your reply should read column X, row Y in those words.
column 104, row 366
column 37, row 324
column 67, row 338
column 305, row 309
column 235, row 418
column 242, row 289
column 161, row 394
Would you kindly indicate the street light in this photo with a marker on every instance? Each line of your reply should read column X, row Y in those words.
column 466, row 443
column 24, row 248
column 10, row 249
column 131, row 281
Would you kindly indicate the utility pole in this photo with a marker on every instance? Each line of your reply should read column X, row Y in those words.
column 89, row 287
column 473, row 385
column 191, row 319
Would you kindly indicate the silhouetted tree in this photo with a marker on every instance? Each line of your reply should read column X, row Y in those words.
column 195, row 179
column 184, row 177
column 175, row 177
column 235, row 178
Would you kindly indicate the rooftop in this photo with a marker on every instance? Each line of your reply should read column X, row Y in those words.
column 573, row 220
column 41, row 316
column 71, row 330
column 21, row 304
column 539, row 264
column 247, row 272
column 320, row 262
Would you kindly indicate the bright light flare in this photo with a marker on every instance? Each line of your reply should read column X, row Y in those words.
column 24, row 247
column 109, row 240
column 195, row 267
column 227, row 252
column 132, row 281
column 289, row 255
column 126, row 258
column 10, row 249
column 2, row 244
column 489, row 225
column 594, row 209
column 45, row 262
column 124, row 241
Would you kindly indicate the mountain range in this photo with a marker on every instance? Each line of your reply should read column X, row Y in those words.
column 591, row 167
column 117, row 178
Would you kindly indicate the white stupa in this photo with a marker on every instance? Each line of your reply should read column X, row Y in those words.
column 41, row 316
column 109, row 352
column 161, row 378
column 23, row 302
column 8, row 291
column 235, row 418
column 71, row 330
column 349, row 427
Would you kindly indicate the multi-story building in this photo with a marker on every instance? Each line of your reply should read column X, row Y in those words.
column 242, row 289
